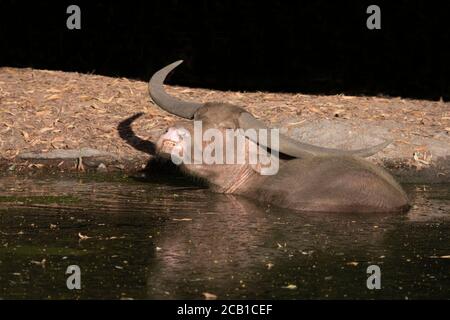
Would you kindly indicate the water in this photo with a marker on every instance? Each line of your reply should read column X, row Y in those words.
column 168, row 239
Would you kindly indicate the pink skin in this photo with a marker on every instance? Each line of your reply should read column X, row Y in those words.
column 171, row 142
column 223, row 178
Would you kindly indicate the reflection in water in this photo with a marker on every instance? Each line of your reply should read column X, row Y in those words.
column 167, row 239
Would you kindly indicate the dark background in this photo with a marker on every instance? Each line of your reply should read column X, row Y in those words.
column 309, row 47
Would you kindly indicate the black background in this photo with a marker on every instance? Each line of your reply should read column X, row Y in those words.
column 310, row 47
column 282, row 309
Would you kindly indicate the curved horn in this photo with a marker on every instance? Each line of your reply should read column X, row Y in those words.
column 298, row 149
column 170, row 104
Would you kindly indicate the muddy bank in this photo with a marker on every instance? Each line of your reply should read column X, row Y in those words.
column 54, row 121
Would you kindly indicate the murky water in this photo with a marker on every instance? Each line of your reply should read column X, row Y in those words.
column 168, row 239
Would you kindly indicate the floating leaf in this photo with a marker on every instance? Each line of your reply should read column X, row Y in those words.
column 209, row 296
column 83, row 237
column 290, row 286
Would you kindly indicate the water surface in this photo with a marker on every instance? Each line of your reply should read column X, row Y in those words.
column 164, row 239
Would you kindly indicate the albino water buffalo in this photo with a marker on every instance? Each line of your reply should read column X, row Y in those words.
column 308, row 177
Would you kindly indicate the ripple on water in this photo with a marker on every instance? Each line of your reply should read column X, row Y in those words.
column 169, row 239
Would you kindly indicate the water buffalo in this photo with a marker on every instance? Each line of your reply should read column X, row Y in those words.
column 309, row 178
